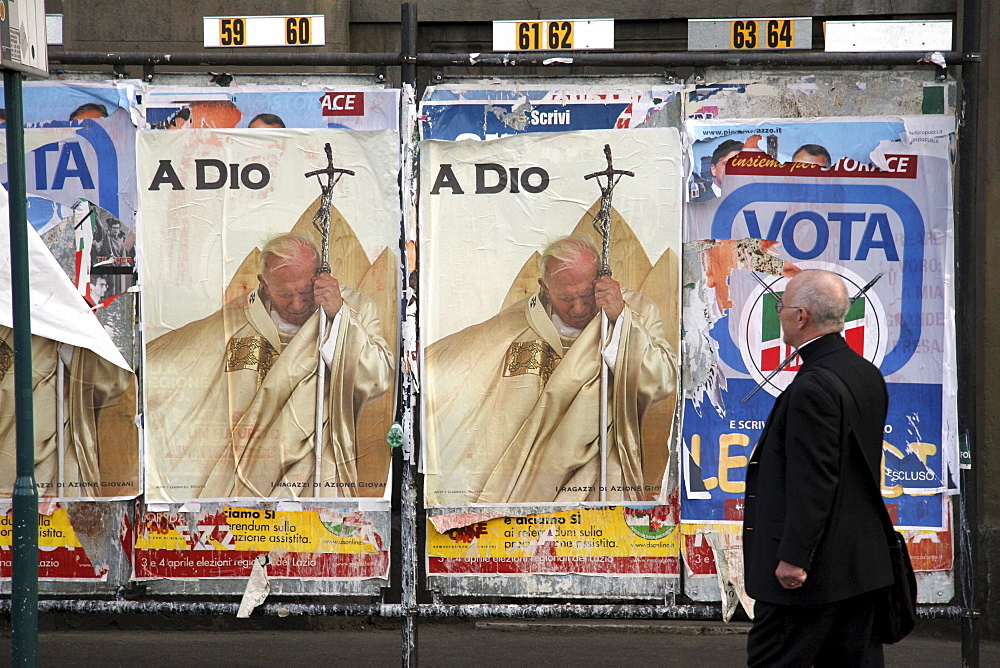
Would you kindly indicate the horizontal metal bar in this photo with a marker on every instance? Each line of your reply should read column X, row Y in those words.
column 681, row 59
column 439, row 610
column 201, row 58
column 472, row 610
column 625, row 611
column 209, row 608
column 945, row 612
column 540, row 58
column 579, row 610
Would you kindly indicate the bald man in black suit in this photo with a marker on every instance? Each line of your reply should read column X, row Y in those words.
column 815, row 553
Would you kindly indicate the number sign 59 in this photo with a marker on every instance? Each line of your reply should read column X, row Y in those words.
column 232, row 31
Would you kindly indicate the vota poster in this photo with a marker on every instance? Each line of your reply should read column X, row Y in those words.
column 866, row 198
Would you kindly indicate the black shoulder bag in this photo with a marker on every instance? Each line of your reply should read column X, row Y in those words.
column 896, row 607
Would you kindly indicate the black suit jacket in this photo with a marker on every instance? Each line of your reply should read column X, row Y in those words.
column 809, row 499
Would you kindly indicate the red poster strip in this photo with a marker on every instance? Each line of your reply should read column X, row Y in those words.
column 59, row 563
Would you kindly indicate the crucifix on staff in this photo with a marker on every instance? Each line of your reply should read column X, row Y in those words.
column 321, row 221
column 602, row 224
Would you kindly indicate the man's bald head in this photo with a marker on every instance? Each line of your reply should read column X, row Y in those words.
column 815, row 303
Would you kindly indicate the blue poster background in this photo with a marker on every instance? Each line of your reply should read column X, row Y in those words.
column 457, row 112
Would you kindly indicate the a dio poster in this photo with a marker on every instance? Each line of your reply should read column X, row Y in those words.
column 268, row 376
column 512, row 381
column 869, row 199
column 233, row 342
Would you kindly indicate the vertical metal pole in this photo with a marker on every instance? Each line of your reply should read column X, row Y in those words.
column 60, row 422
column 24, row 594
column 970, row 226
column 408, row 500
column 408, row 44
column 604, row 407
column 320, row 409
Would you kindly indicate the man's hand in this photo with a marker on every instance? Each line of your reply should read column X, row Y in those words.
column 326, row 291
column 608, row 295
column 789, row 577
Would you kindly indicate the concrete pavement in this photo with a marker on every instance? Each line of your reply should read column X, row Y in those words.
column 149, row 641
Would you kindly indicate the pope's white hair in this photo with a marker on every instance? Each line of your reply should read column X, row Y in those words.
column 566, row 252
column 285, row 250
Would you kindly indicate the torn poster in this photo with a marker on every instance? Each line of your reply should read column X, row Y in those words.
column 80, row 179
column 222, row 541
column 728, row 551
column 70, row 540
column 80, row 144
column 619, row 541
column 269, row 107
column 258, row 587
column 867, row 198
column 481, row 111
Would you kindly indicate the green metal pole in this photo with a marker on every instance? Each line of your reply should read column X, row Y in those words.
column 24, row 594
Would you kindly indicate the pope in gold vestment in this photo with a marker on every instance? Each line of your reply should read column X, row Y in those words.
column 101, row 453
column 513, row 407
column 232, row 409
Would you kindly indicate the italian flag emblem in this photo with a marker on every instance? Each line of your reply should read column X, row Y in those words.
column 773, row 350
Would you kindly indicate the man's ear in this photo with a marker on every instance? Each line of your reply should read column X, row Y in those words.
column 263, row 284
column 541, row 284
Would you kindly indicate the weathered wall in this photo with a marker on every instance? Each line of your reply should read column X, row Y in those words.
column 134, row 25
column 446, row 25
column 498, row 10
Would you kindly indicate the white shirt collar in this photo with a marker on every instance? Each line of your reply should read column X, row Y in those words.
column 565, row 330
column 283, row 327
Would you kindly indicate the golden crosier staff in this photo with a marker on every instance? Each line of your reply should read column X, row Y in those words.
column 321, row 221
column 602, row 224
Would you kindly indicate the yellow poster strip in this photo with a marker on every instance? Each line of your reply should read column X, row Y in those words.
column 586, row 532
column 255, row 529
column 54, row 530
